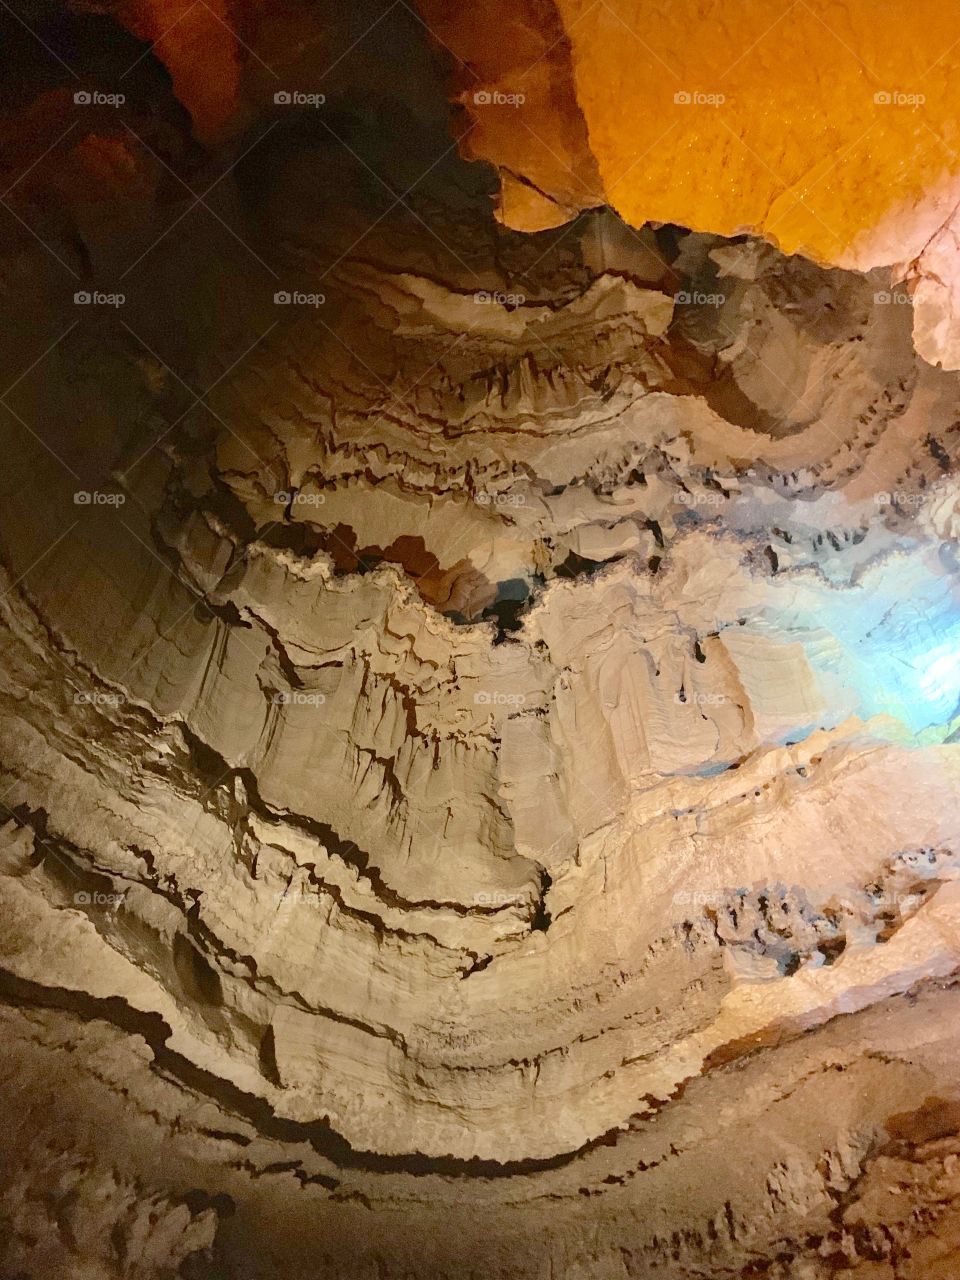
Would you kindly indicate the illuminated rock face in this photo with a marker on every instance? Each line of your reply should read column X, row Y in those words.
column 479, row 782
column 511, row 72
column 199, row 48
column 829, row 129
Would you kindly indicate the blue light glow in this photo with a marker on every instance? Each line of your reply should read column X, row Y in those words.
column 913, row 660
column 908, row 665
column 889, row 646
column 942, row 678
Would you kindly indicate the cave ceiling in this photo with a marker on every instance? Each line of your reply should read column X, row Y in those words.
column 479, row 640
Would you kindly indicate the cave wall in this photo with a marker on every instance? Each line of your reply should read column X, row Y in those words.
column 478, row 693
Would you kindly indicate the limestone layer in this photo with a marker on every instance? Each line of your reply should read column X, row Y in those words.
column 829, row 129
column 478, row 711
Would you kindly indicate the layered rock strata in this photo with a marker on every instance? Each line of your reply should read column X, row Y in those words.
column 479, row 725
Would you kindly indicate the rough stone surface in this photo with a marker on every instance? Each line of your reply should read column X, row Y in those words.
column 829, row 129
column 479, row 740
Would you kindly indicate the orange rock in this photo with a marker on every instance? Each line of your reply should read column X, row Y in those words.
column 830, row 129
column 826, row 128
column 200, row 47
column 512, row 73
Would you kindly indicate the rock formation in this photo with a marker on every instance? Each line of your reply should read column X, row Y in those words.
column 480, row 694
column 831, row 130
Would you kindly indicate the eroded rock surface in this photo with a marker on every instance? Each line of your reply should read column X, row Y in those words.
column 479, row 709
column 829, row 129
